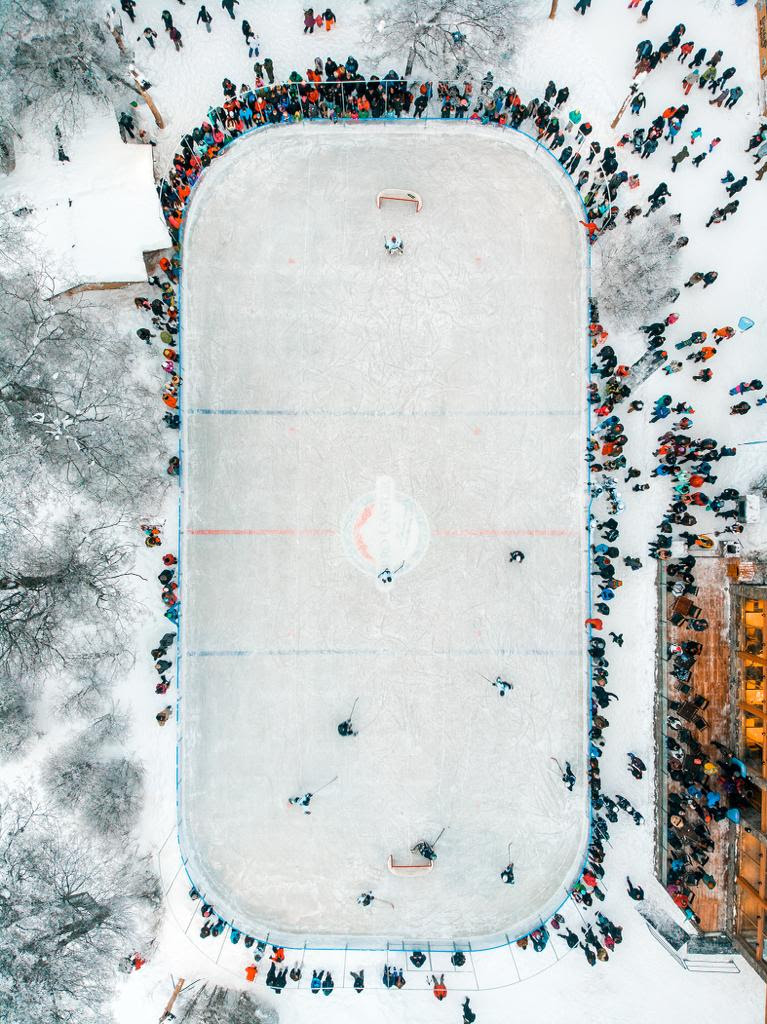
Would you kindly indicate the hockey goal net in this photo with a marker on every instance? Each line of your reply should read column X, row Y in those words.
column 408, row 869
column 400, row 195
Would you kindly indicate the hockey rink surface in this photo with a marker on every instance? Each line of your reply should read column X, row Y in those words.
column 348, row 415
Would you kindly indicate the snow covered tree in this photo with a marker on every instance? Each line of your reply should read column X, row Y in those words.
column 53, row 55
column 211, row 1004
column 79, row 451
column 16, row 716
column 635, row 266
column 83, row 775
column 61, row 589
column 72, row 907
column 73, row 389
column 438, row 34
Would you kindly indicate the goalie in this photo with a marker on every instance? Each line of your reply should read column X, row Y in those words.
column 394, row 245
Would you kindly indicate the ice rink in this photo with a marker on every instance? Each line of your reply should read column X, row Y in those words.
column 347, row 413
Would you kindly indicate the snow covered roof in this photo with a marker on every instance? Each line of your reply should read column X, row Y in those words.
column 95, row 215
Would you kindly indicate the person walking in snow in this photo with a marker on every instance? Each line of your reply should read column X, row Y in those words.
column 150, row 35
column 469, row 1016
column 439, row 988
column 203, row 15
column 737, row 186
column 582, row 6
column 129, row 7
column 163, row 717
column 247, row 31
column 228, row 6
column 679, row 158
column 636, row 892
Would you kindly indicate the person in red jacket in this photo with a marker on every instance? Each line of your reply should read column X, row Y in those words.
column 439, row 988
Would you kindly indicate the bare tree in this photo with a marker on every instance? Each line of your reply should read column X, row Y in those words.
column 72, row 388
column 53, row 55
column 62, row 591
column 437, row 34
column 635, row 265
column 71, row 908
column 211, row 1004
column 83, row 776
column 16, row 716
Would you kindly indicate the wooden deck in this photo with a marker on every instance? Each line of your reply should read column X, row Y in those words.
column 710, row 679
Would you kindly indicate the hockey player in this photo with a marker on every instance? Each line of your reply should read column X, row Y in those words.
column 568, row 776
column 425, row 849
column 366, row 898
column 502, row 686
column 517, row 556
column 302, row 801
column 394, row 245
column 346, row 728
column 306, row 798
column 507, row 875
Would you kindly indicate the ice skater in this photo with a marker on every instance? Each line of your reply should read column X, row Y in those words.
column 386, row 575
column 507, row 875
column 306, row 798
column 516, row 556
column 568, row 776
column 426, row 849
column 365, row 899
column 346, row 728
column 502, row 686
column 394, row 245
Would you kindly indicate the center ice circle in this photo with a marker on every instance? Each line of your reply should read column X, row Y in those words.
column 385, row 533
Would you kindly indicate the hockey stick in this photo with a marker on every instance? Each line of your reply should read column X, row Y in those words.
column 493, row 682
column 558, row 765
column 334, row 779
column 377, row 899
column 432, row 845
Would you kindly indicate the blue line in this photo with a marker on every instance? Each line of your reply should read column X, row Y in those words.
column 590, row 673
column 363, row 652
column 469, row 413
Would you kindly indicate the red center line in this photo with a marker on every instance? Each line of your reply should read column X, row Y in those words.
column 262, row 533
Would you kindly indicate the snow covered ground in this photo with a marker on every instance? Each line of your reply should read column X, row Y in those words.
column 91, row 219
column 348, row 412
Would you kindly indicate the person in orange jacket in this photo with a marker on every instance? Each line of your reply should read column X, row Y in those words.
column 707, row 352
column 439, row 988
column 250, row 972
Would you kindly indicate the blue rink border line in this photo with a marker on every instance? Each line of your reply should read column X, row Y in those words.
column 391, row 945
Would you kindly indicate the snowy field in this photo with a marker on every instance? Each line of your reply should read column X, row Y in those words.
column 345, row 413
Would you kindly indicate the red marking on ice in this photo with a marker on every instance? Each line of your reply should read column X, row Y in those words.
column 291, row 261
column 476, row 430
column 359, row 543
column 285, row 532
